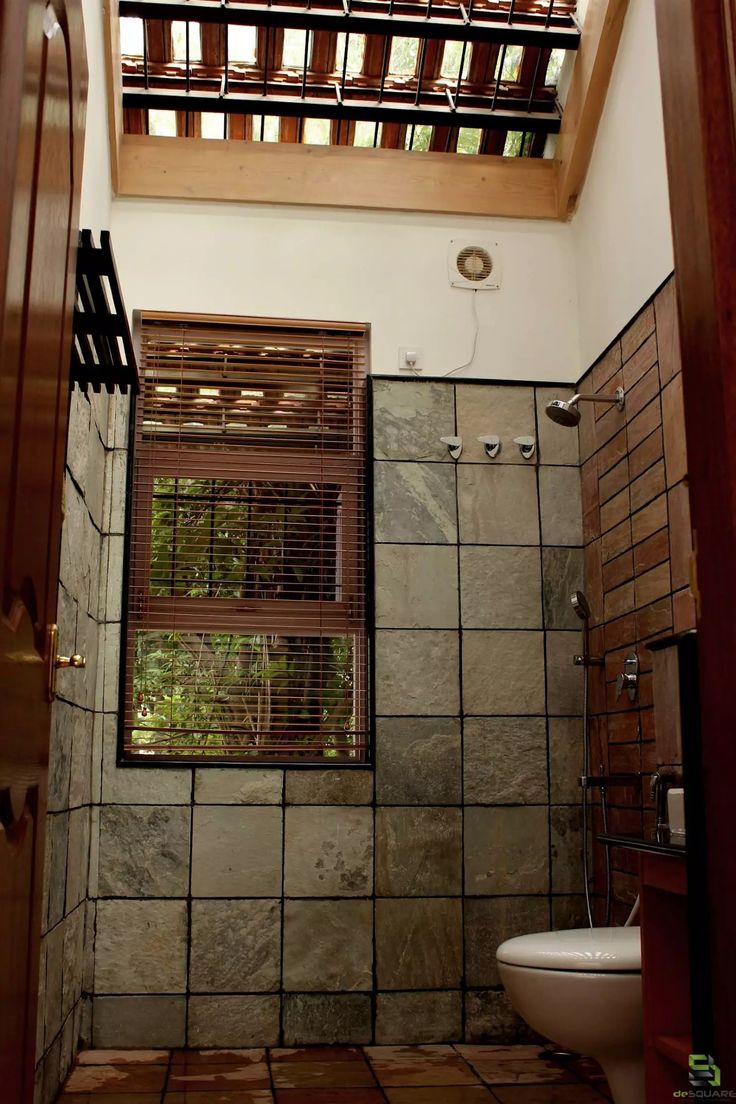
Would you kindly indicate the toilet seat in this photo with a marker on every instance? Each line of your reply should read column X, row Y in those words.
column 600, row 950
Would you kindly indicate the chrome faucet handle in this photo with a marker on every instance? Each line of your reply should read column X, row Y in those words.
column 628, row 680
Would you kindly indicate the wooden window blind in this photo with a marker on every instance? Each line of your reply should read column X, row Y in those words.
column 246, row 622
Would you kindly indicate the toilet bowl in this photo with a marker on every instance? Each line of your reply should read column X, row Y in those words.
column 581, row 989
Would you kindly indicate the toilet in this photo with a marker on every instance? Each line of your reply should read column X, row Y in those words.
column 581, row 989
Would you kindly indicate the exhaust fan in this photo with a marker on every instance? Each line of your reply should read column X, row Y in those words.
column 473, row 265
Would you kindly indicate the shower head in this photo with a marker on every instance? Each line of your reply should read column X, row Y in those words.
column 563, row 413
column 567, row 412
column 579, row 603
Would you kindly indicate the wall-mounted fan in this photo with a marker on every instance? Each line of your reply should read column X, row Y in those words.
column 474, row 265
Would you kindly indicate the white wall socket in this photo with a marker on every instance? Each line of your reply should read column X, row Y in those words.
column 410, row 359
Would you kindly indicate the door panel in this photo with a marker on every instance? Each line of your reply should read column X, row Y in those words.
column 39, row 207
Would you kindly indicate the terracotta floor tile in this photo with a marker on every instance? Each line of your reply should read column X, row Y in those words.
column 329, row 1096
column 512, row 1072
column 500, row 1053
column 121, row 1057
column 547, row 1094
column 447, row 1094
column 110, row 1098
column 116, row 1079
column 230, row 1077
column 316, row 1054
column 191, row 1058
column 419, row 1065
column 248, row 1096
column 318, row 1075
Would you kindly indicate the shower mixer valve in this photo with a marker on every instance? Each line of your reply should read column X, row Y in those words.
column 527, row 446
column 454, row 446
column 492, row 444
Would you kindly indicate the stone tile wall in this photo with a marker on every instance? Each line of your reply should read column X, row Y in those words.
column 241, row 906
column 89, row 623
column 636, row 517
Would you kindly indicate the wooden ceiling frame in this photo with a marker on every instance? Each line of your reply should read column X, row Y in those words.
column 341, row 176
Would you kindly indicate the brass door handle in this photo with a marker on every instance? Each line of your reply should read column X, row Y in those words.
column 55, row 661
column 70, row 661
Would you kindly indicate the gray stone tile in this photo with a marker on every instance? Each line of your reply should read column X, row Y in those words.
column 561, row 506
column 416, row 586
column 235, row 946
column 564, row 680
column 328, row 946
column 77, row 857
column 417, row 1018
column 57, row 839
column 498, row 505
column 139, row 785
column 414, row 503
column 329, row 851
column 557, row 444
column 563, row 571
column 409, row 417
column 120, row 1022
column 234, row 786
column 73, row 960
column 506, row 851
column 141, row 947
column 506, row 411
column 63, row 723
column 501, row 588
column 418, row 852
column 417, row 673
column 233, row 1021
column 566, row 826
column 505, row 760
column 419, row 943
column 236, row 851
column 490, row 1018
column 54, row 942
column 329, row 787
column 144, row 851
column 418, row 761
column 565, row 759
column 327, row 1019
column 569, row 912
column 81, row 764
column 491, row 920
column 503, row 672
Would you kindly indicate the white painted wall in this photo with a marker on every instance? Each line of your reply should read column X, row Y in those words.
column 621, row 231
column 96, row 198
column 386, row 269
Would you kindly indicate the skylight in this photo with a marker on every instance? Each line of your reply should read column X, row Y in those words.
column 464, row 79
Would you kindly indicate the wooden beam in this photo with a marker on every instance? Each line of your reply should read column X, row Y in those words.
column 111, row 22
column 327, row 176
column 586, row 96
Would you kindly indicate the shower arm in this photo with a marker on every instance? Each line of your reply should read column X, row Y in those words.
column 614, row 398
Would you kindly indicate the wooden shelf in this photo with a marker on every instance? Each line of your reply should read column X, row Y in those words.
column 677, row 1048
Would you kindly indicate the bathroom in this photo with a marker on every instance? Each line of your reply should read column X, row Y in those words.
column 476, row 885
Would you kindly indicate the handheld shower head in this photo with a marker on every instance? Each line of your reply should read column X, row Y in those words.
column 566, row 412
column 580, row 604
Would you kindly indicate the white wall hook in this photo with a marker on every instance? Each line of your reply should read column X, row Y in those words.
column 454, row 446
column 527, row 446
column 491, row 444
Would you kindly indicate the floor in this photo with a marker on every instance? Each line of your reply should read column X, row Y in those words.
column 334, row 1075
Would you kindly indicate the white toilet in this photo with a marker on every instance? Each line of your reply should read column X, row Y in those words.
column 581, row 989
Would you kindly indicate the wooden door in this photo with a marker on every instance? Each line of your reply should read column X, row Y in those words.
column 697, row 44
column 42, row 93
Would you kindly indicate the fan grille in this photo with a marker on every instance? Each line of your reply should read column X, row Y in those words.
column 474, row 263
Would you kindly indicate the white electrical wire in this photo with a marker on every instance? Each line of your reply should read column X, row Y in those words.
column 475, row 338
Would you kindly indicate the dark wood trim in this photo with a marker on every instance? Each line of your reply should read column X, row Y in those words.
column 696, row 40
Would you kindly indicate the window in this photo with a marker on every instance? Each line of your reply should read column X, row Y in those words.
column 246, row 636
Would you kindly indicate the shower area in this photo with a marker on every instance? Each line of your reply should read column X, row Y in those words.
column 237, row 907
